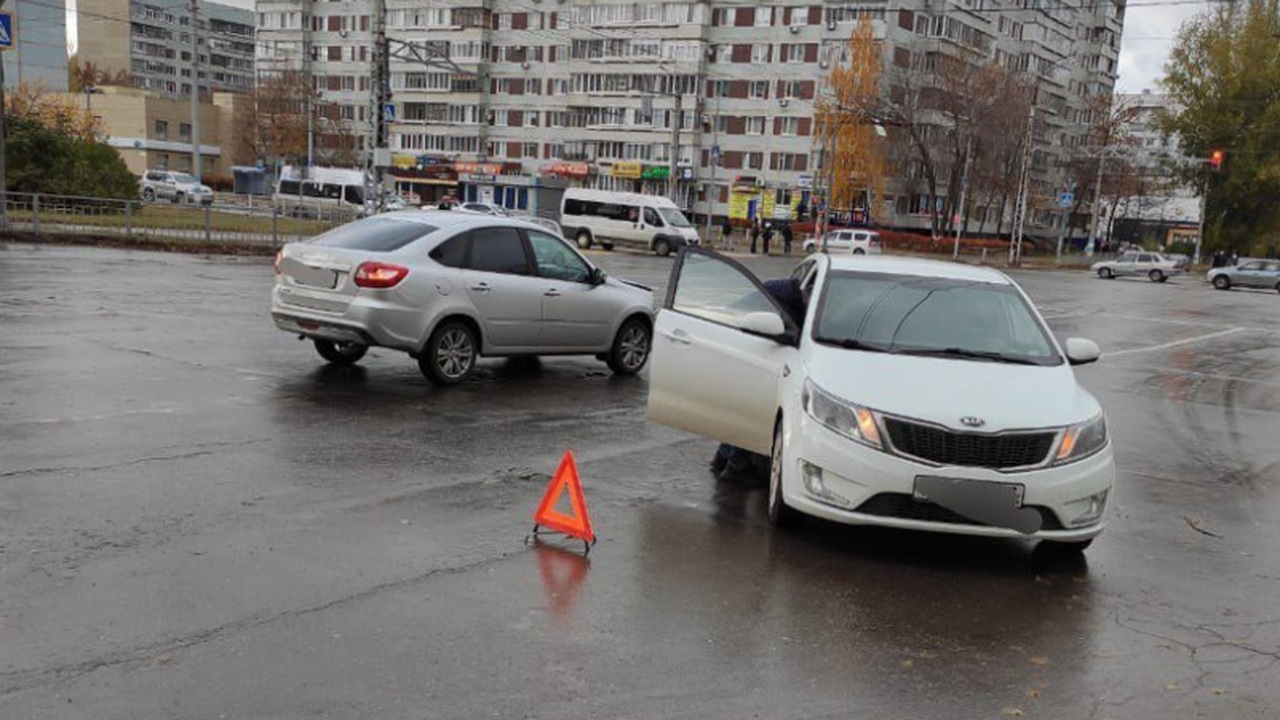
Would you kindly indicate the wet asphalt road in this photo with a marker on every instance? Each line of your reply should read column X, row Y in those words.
column 199, row 520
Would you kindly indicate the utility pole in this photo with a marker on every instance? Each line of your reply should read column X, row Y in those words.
column 379, row 96
column 4, row 122
column 193, row 21
column 308, row 72
column 964, row 189
column 1091, row 243
column 676, row 122
column 1024, row 179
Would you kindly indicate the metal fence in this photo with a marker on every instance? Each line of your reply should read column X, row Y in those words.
column 218, row 223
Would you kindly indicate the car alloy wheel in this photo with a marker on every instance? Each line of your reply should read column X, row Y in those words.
column 1106, row 273
column 1156, row 276
column 631, row 347
column 662, row 247
column 149, row 195
column 1222, row 282
column 451, row 354
column 779, row 513
column 340, row 353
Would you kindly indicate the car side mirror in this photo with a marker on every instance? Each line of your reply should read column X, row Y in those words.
column 764, row 324
column 597, row 276
column 1082, row 352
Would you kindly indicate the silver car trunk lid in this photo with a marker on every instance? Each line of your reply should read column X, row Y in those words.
column 321, row 278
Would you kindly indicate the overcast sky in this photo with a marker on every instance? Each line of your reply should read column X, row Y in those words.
column 1149, row 31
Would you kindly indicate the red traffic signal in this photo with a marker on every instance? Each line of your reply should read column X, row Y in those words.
column 1215, row 159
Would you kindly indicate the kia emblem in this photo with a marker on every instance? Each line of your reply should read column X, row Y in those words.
column 973, row 422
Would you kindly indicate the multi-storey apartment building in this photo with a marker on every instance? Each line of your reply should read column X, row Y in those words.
column 1153, row 204
column 38, row 55
column 712, row 102
column 154, row 46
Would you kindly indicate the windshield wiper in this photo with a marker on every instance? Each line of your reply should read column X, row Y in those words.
column 852, row 344
column 973, row 354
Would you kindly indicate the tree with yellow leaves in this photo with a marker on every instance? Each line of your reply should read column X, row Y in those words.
column 846, row 115
column 57, row 112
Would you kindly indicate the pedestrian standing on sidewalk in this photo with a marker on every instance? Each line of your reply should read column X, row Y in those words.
column 754, row 234
column 787, row 237
column 767, row 236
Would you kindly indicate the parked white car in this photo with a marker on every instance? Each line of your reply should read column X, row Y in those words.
column 1155, row 266
column 854, row 242
column 912, row 394
column 170, row 186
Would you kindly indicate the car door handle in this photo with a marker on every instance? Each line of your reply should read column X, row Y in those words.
column 551, row 293
column 678, row 338
column 481, row 287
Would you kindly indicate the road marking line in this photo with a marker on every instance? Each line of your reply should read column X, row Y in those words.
column 1175, row 343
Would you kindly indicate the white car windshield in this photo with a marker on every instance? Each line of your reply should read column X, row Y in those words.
column 674, row 217
column 929, row 316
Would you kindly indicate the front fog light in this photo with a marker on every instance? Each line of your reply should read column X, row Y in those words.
column 1094, row 506
column 816, row 488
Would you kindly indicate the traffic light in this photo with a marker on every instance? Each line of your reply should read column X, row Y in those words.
column 1215, row 159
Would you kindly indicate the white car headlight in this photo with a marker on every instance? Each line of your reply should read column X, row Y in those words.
column 853, row 421
column 1081, row 441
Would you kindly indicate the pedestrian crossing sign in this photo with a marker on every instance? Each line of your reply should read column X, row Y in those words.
column 6, row 31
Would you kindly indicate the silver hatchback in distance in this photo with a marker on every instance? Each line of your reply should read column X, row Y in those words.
column 448, row 288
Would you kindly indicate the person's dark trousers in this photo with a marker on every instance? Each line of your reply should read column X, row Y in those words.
column 734, row 463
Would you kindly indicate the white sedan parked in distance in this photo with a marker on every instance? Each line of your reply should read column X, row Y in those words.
column 1156, row 267
column 913, row 394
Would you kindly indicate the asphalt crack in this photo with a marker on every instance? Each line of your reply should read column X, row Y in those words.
column 22, row 680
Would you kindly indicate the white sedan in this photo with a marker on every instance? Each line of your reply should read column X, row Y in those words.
column 1154, row 266
column 912, row 394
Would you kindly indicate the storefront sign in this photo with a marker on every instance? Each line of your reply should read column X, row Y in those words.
column 471, row 168
column 565, row 169
column 656, row 172
column 628, row 170
column 478, row 178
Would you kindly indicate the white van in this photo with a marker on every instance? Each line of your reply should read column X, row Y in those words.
column 325, row 190
column 608, row 218
column 855, row 242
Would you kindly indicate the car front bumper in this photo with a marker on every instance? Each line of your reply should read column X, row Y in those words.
column 863, row 486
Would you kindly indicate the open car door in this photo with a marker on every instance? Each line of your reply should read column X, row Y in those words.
column 715, row 366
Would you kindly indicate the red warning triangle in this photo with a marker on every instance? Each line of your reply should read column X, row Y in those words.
column 577, row 524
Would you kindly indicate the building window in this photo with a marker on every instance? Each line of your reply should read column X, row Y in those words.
column 755, row 161
column 755, row 125
column 759, row 90
column 789, row 126
column 184, row 130
column 162, row 130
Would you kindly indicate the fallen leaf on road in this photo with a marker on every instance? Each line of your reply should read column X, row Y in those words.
column 1041, row 661
column 1218, row 691
column 1194, row 524
column 1172, row 686
column 1012, row 712
column 1033, row 693
column 164, row 659
column 908, row 664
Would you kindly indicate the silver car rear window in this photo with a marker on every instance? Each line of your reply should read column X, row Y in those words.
column 374, row 235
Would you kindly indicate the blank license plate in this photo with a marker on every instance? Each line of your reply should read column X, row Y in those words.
column 928, row 487
column 315, row 277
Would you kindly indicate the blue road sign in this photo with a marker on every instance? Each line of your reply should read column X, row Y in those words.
column 1066, row 199
column 389, row 112
column 6, row 30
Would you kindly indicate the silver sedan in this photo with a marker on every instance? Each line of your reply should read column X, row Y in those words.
column 1263, row 274
column 448, row 288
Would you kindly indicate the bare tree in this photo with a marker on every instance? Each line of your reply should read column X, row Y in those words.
column 273, row 124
